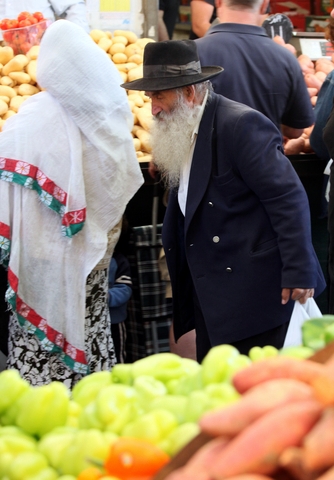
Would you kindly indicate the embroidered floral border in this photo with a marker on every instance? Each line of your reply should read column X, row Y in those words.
column 51, row 340
column 54, row 197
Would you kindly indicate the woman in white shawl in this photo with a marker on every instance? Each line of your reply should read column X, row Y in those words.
column 67, row 171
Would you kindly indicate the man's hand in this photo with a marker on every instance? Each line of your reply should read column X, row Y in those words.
column 300, row 294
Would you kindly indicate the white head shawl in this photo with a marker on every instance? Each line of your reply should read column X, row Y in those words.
column 70, row 147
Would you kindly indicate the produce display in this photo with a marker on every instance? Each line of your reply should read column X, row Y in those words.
column 111, row 420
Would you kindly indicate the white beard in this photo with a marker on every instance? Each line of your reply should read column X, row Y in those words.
column 171, row 140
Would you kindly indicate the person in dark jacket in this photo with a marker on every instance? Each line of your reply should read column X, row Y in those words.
column 237, row 231
column 119, row 293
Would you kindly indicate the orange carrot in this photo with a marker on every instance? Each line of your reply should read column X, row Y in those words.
column 253, row 404
column 315, row 374
column 257, row 448
column 318, row 444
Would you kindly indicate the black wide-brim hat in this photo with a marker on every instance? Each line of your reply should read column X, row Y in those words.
column 171, row 64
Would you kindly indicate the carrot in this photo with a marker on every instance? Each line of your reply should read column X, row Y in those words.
column 257, row 401
column 315, row 374
column 318, row 444
column 257, row 448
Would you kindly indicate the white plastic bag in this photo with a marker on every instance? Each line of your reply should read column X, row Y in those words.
column 300, row 313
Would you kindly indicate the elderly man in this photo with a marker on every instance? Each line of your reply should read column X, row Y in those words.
column 237, row 229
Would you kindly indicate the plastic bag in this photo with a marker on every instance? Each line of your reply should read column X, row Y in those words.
column 300, row 313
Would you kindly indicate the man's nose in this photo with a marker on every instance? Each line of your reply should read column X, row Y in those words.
column 155, row 108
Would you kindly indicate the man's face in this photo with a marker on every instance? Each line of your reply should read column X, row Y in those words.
column 175, row 117
column 163, row 101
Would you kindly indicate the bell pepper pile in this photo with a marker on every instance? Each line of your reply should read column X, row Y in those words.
column 24, row 31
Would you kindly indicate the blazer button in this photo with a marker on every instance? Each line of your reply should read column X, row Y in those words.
column 229, row 270
column 210, row 204
column 216, row 239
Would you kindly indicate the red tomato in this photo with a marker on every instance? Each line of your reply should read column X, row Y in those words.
column 7, row 36
column 33, row 20
column 133, row 457
column 23, row 15
column 25, row 23
column 39, row 16
column 4, row 24
column 25, row 47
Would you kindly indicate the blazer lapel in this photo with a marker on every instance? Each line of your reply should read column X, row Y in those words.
column 202, row 160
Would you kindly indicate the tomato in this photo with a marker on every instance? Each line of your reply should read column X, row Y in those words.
column 23, row 16
column 4, row 24
column 133, row 457
column 39, row 16
column 7, row 36
column 25, row 47
column 33, row 20
column 25, row 23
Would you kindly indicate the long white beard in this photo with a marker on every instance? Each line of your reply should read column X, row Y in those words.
column 171, row 140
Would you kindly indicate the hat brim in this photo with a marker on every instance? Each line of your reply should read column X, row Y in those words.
column 154, row 84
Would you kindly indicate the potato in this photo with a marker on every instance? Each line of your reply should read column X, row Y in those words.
column 104, row 43
column 135, row 73
column 6, row 80
column 145, row 118
column 32, row 69
column 137, row 144
column 133, row 49
column 7, row 91
column 137, row 99
column 119, row 58
column 27, row 89
column 16, row 102
column 142, row 42
column 3, row 107
column 130, row 36
column 20, row 77
column 16, row 64
column 124, row 76
column 32, row 54
column 120, row 39
column 145, row 139
column 116, row 48
column 126, row 67
column 109, row 34
column 8, row 114
column 4, row 98
column 6, row 54
column 96, row 34
column 136, row 58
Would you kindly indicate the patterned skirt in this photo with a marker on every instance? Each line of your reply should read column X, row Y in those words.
column 39, row 367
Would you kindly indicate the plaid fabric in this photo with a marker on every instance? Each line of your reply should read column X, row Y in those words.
column 149, row 315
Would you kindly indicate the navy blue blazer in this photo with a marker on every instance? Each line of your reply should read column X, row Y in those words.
column 246, row 231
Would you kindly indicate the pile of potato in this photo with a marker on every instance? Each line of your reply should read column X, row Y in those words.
column 17, row 80
column 126, row 50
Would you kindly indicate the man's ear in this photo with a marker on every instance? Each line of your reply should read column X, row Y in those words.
column 189, row 93
column 264, row 7
column 218, row 3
